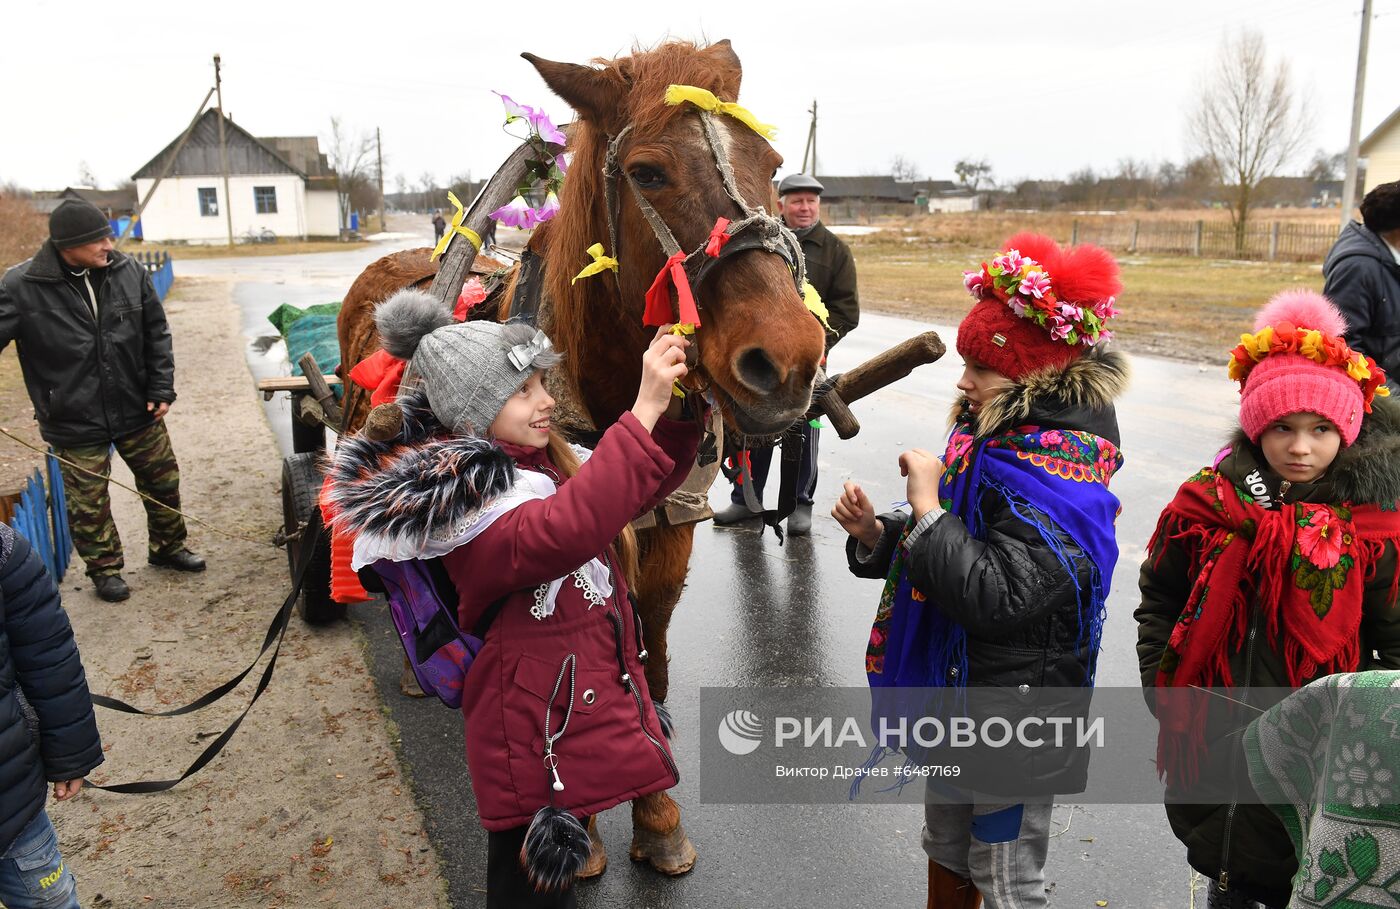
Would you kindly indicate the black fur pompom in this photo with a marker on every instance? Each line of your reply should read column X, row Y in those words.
column 556, row 848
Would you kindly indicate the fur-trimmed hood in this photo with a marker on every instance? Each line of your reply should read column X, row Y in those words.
column 1077, row 396
column 1367, row 471
column 421, row 484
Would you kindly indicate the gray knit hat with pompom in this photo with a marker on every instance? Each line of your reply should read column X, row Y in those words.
column 467, row 369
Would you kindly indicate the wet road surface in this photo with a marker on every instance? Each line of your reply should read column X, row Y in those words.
column 756, row 614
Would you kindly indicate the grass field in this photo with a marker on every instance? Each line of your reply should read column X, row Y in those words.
column 243, row 250
column 1185, row 308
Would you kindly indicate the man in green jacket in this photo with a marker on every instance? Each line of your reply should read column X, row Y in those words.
column 831, row 269
column 98, row 364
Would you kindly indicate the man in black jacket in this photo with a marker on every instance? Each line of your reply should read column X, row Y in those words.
column 47, row 731
column 1363, row 279
column 96, row 354
column 831, row 270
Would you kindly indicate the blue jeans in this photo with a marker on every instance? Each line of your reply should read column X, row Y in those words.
column 32, row 873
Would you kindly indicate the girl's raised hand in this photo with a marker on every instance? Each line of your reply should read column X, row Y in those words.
column 856, row 515
column 924, row 471
column 662, row 365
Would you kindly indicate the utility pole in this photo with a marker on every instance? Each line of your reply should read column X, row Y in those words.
column 379, row 154
column 1354, row 147
column 811, row 146
column 223, row 150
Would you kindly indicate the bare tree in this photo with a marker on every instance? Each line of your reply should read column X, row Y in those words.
column 1247, row 121
column 85, row 175
column 352, row 158
column 901, row 168
column 971, row 172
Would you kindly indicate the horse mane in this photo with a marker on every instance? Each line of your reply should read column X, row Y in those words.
column 642, row 79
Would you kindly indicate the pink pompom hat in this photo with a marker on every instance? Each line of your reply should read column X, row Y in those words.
column 1297, row 362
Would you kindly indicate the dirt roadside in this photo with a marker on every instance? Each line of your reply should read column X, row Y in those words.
column 306, row 806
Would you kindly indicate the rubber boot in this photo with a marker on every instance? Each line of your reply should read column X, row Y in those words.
column 947, row 890
column 799, row 523
column 734, row 513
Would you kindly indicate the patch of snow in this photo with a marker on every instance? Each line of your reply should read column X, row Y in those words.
column 853, row 230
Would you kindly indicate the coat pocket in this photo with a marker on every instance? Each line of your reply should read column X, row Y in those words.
column 593, row 689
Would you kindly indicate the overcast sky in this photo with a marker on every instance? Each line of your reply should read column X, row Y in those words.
column 1038, row 88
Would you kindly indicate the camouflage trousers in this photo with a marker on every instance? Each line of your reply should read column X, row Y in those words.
column 152, row 462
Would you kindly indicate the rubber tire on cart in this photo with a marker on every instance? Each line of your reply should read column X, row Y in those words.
column 301, row 488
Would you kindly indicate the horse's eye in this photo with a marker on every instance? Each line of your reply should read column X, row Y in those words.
column 648, row 177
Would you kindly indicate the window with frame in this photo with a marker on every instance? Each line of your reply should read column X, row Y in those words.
column 208, row 202
column 265, row 200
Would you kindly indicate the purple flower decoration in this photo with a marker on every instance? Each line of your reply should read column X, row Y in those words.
column 1035, row 284
column 561, row 161
column 516, row 213
column 543, row 127
column 1105, row 310
column 549, row 209
column 514, row 110
column 1061, row 330
column 1018, row 308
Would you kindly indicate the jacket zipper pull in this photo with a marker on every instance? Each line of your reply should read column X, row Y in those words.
column 1223, row 884
column 551, row 760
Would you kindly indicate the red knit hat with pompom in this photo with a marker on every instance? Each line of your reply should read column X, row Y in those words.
column 1039, row 306
column 1297, row 362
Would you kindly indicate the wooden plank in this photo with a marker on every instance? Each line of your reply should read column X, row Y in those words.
column 499, row 190
column 293, row 383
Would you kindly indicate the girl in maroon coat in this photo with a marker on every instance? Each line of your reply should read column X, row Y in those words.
column 559, row 723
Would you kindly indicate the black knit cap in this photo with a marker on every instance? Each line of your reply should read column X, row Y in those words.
column 77, row 221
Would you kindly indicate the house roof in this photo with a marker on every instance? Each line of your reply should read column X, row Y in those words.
column 116, row 201
column 1379, row 131
column 247, row 154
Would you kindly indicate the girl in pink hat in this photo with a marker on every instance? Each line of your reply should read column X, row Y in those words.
column 1272, row 567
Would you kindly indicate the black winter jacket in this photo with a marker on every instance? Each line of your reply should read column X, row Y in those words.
column 1008, row 590
column 1246, row 842
column 1363, row 279
column 831, row 269
column 38, row 655
column 89, row 380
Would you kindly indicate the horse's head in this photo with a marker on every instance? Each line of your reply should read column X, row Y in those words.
column 758, row 346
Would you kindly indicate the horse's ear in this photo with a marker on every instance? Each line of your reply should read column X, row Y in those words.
column 596, row 94
column 731, row 70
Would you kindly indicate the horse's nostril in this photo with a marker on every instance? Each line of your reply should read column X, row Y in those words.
column 757, row 370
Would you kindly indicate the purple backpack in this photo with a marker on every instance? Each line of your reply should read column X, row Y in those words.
column 423, row 603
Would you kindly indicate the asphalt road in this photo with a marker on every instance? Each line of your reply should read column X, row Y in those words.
column 756, row 614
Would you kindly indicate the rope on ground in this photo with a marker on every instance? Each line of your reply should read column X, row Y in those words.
column 92, row 473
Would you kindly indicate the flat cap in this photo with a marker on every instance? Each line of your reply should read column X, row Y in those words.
column 794, row 183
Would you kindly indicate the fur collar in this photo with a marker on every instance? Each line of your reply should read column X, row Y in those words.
column 422, row 483
column 1077, row 396
column 1367, row 471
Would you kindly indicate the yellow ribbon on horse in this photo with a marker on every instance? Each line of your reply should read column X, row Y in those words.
column 813, row 301
column 599, row 264
column 706, row 100
column 456, row 229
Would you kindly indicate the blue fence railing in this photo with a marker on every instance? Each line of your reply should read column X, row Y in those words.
column 161, row 269
column 42, row 518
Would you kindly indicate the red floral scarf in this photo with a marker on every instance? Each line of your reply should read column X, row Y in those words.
column 1309, row 565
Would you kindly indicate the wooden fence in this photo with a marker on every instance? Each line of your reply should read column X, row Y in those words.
column 1267, row 240
column 161, row 268
column 42, row 519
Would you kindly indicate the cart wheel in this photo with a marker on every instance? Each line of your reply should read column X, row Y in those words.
column 301, row 486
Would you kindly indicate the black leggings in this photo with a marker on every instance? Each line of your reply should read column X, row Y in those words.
column 507, row 887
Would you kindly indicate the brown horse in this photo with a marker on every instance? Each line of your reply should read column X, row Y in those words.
column 758, row 347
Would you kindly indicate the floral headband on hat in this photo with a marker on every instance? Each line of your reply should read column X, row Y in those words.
column 1025, row 286
column 1283, row 337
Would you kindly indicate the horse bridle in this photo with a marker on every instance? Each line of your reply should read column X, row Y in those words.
column 756, row 230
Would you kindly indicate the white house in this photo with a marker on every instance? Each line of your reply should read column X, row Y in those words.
column 281, row 184
column 1381, row 149
column 953, row 200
